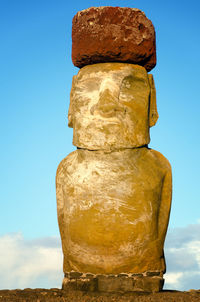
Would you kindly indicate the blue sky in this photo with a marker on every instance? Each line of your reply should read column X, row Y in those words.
column 35, row 81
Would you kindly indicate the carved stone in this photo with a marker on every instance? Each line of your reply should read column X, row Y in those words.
column 113, row 210
column 112, row 106
column 113, row 192
column 113, row 34
column 121, row 283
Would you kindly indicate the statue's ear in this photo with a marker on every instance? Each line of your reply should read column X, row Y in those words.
column 153, row 113
column 71, row 107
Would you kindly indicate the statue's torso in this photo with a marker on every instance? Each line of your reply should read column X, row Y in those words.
column 110, row 207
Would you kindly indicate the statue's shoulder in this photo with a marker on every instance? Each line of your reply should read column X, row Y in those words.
column 160, row 159
column 65, row 166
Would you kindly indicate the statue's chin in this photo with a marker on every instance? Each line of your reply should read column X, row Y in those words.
column 110, row 135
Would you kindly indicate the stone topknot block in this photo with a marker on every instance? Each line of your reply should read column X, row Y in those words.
column 113, row 34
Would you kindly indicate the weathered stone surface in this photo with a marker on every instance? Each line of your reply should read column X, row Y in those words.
column 112, row 106
column 113, row 34
column 114, row 283
column 149, row 284
column 73, row 275
column 151, row 274
column 113, row 210
column 58, row 295
column 113, row 193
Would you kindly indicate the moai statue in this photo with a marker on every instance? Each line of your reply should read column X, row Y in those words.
column 113, row 192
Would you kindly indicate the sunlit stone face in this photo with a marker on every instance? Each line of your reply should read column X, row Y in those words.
column 109, row 106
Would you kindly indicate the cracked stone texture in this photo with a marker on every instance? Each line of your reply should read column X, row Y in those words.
column 58, row 295
column 113, row 34
column 112, row 106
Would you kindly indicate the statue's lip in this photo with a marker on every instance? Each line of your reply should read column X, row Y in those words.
column 100, row 118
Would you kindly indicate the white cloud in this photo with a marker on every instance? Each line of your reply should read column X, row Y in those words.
column 182, row 251
column 38, row 263
column 30, row 263
column 173, row 279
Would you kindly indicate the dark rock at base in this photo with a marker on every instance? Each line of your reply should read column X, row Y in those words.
column 73, row 275
column 151, row 274
column 113, row 34
column 121, row 283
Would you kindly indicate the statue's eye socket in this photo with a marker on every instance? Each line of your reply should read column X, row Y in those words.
column 131, row 84
column 127, row 82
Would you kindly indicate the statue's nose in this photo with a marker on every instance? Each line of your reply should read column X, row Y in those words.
column 107, row 103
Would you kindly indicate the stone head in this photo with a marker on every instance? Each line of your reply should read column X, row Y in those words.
column 112, row 106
